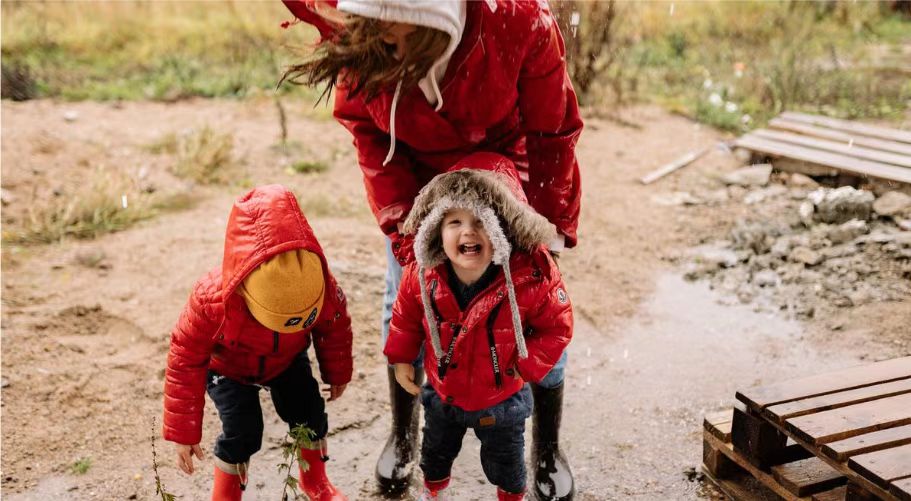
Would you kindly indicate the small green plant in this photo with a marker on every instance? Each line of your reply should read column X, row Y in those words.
column 308, row 167
column 205, row 156
column 300, row 437
column 81, row 466
column 159, row 489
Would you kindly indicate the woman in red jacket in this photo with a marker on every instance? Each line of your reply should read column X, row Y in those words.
column 247, row 325
column 422, row 84
column 488, row 305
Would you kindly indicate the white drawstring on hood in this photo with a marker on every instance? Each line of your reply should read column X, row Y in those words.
column 447, row 16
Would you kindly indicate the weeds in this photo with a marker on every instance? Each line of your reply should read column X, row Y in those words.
column 308, row 167
column 108, row 202
column 301, row 437
column 159, row 489
column 204, row 156
column 81, row 466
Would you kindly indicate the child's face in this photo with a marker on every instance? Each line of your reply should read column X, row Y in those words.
column 466, row 243
column 396, row 35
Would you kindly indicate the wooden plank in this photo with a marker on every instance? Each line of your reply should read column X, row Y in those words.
column 760, row 397
column 715, row 462
column 901, row 489
column 743, row 487
column 810, row 169
column 882, row 467
column 868, row 442
column 719, row 424
column 766, row 479
column 855, row 492
column 677, row 164
column 834, row 135
column 796, row 408
column 846, row 422
column 854, row 165
column 848, row 126
column 836, row 494
column 807, row 476
column 756, row 439
column 848, row 149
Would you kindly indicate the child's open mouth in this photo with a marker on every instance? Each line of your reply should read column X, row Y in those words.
column 470, row 249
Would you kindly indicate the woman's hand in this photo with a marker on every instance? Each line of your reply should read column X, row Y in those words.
column 404, row 374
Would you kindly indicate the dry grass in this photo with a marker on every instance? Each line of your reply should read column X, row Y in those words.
column 203, row 156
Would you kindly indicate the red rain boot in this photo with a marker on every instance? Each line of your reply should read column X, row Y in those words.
column 314, row 482
column 508, row 496
column 226, row 486
column 435, row 490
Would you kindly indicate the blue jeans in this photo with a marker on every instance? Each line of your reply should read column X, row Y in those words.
column 553, row 378
column 500, row 428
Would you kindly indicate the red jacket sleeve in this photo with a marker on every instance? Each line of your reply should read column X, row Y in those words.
column 406, row 329
column 332, row 337
column 192, row 341
column 549, row 327
column 391, row 188
column 551, row 121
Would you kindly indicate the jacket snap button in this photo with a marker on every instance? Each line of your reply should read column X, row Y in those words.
column 453, row 365
column 536, row 273
column 396, row 246
column 510, row 372
column 449, row 400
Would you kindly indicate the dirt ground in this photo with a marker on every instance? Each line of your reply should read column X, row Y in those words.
column 86, row 323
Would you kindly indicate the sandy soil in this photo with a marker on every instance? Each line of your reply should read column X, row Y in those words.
column 85, row 339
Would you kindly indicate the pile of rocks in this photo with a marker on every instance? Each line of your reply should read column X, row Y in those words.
column 813, row 248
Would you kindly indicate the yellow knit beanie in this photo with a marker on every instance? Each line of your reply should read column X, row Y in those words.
column 285, row 293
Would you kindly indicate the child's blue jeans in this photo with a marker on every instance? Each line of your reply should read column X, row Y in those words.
column 297, row 400
column 502, row 437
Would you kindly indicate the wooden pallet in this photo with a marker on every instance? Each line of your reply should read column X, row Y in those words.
column 805, row 435
column 826, row 146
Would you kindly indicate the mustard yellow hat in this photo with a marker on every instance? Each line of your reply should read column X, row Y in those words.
column 286, row 292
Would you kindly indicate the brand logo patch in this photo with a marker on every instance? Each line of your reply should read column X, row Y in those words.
column 310, row 319
column 561, row 296
column 293, row 321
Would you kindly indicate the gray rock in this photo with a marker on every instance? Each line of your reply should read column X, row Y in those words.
column 806, row 256
column 742, row 155
column 754, row 175
column 762, row 194
column 844, row 204
column 781, row 247
column 676, row 198
column 71, row 116
column 797, row 193
column 766, row 278
column 904, row 224
column 806, row 211
column 844, row 250
column 717, row 256
column 892, row 203
column 802, row 181
column 846, row 232
column 6, row 197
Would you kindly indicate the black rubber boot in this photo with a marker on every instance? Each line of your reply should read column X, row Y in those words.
column 552, row 474
column 396, row 462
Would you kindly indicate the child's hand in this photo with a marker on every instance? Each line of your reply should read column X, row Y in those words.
column 335, row 391
column 404, row 374
column 185, row 457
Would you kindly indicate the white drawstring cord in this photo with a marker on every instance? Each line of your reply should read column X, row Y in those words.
column 395, row 103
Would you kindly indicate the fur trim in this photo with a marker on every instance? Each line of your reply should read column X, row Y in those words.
column 524, row 227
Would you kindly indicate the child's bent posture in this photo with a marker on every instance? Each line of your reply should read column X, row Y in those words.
column 247, row 326
column 487, row 301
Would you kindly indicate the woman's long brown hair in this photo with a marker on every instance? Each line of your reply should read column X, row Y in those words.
column 360, row 59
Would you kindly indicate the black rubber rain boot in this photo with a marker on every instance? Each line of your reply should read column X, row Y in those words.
column 552, row 474
column 396, row 462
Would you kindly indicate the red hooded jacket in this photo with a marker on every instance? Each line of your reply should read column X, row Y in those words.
column 505, row 90
column 216, row 330
column 544, row 309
